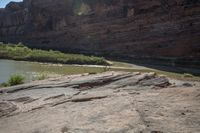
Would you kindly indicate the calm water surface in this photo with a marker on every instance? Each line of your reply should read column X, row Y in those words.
column 30, row 69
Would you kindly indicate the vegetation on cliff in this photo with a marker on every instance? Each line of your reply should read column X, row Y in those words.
column 21, row 52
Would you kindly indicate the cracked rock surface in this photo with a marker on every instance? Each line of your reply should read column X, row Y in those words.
column 110, row 102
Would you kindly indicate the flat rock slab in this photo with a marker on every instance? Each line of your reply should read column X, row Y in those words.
column 110, row 102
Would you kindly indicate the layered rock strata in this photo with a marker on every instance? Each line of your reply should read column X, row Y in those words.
column 111, row 102
column 165, row 31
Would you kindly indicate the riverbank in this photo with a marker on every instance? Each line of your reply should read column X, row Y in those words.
column 22, row 53
column 34, row 70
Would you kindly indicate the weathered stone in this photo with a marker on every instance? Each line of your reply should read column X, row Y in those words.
column 187, row 85
column 6, row 108
column 118, row 104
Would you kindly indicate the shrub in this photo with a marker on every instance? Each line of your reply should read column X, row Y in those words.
column 41, row 76
column 4, row 85
column 20, row 45
column 15, row 80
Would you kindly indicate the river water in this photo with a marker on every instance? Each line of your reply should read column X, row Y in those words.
column 30, row 69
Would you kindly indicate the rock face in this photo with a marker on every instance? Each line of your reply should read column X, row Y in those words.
column 111, row 102
column 164, row 30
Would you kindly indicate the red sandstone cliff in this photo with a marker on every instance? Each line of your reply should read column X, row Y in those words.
column 128, row 28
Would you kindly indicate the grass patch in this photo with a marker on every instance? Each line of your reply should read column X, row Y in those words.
column 41, row 76
column 4, row 85
column 23, row 53
column 14, row 79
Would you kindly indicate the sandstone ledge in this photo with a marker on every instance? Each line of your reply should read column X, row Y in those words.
column 111, row 102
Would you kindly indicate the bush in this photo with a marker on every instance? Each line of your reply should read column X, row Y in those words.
column 20, row 45
column 15, row 80
column 4, row 85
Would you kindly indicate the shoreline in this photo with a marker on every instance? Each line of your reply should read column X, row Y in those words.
column 114, row 67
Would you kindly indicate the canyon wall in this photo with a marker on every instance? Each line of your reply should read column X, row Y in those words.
column 163, row 31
